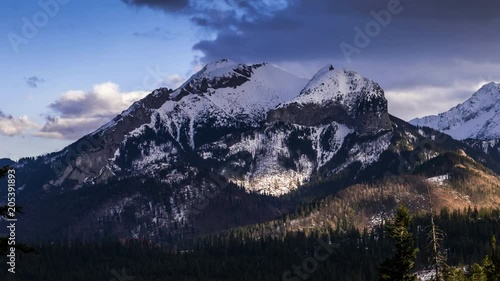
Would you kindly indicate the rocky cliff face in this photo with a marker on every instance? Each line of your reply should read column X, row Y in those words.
column 304, row 134
column 340, row 96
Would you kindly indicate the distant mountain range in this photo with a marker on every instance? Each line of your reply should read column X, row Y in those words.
column 476, row 121
column 476, row 118
column 237, row 144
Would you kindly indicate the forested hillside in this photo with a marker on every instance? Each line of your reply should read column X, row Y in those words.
column 349, row 254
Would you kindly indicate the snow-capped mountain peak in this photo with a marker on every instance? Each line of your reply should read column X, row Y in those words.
column 223, row 93
column 338, row 95
column 346, row 87
column 488, row 92
column 323, row 70
column 491, row 85
column 279, row 128
column 476, row 118
column 218, row 65
column 226, row 96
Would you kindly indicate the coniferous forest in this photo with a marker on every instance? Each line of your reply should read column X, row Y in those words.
column 321, row 254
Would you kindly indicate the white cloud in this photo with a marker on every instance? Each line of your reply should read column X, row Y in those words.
column 11, row 126
column 81, row 112
column 104, row 99
column 70, row 128
column 421, row 101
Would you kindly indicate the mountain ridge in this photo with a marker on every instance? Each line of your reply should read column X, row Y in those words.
column 234, row 137
column 476, row 118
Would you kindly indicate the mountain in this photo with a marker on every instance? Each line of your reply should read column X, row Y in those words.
column 344, row 97
column 452, row 180
column 203, row 120
column 303, row 135
column 236, row 144
column 6, row 162
column 476, row 118
column 222, row 98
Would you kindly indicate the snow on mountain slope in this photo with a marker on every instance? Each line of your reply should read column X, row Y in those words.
column 225, row 95
column 342, row 96
column 348, row 88
column 279, row 158
column 222, row 98
column 254, row 125
column 305, row 133
column 476, row 118
column 242, row 89
column 278, row 129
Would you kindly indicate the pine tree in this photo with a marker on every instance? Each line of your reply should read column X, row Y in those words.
column 453, row 274
column 398, row 267
column 489, row 269
column 476, row 273
column 491, row 265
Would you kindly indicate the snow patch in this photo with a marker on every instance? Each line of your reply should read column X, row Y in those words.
column 439, row 180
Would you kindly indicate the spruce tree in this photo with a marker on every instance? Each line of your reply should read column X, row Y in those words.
column 491, row 264
column 489, row 269
column 398, row 267
column 476, row 273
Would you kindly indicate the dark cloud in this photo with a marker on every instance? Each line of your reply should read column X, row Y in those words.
column 427, row 47
column 33, row 81
column 167, row 5
column 303, row 30
column 431, row 50
column 443, row 10
column 315, row 29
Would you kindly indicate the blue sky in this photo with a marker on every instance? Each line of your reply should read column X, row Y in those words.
column 84, row 44
column 90, row 59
